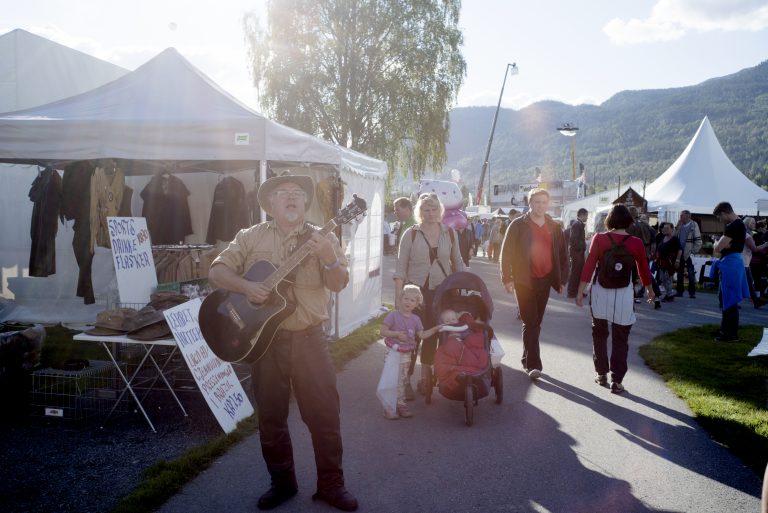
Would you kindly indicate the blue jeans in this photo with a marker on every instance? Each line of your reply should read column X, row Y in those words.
column 683, row 267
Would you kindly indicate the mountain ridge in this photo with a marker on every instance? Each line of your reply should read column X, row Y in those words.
column 633, row 135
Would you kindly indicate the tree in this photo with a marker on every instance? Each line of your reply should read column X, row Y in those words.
column 379, row 77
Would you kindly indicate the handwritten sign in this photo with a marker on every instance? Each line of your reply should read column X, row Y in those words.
column 215, row 378
column 132, row 255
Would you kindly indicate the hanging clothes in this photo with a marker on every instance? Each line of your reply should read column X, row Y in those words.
column 106, row 198
column 166, row 209
column 76, row 204
column 229, row 213
column 45, row 193
column 125, row 205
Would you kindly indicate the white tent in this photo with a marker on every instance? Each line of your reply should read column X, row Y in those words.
column 701, row 177
column 34, row 71
column 165, row 110
column 168, row 111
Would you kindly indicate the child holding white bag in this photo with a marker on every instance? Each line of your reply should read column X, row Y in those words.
column 400, row 329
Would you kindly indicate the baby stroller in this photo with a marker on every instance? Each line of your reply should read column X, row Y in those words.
column 468, row 382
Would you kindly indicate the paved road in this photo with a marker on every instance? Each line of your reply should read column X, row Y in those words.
column 560, row 445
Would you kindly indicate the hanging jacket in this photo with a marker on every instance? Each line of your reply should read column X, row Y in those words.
column 45, row 193
column 166, row 209
column 229, row 213
column 76, row 204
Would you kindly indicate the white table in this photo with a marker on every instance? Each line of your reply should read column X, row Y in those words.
column 700, row 264
column 147, row 346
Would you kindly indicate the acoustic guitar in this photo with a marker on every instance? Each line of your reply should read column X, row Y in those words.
column 238, row 330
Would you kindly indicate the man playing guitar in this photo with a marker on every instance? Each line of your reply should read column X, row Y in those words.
column 298, row 357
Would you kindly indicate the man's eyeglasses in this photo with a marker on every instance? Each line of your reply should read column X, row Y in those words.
column 284, row 194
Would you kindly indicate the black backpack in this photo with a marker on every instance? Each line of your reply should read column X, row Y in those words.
column 615, row 268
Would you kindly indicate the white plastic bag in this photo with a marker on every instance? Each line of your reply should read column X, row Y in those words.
column 386, row 391
column 497, row 353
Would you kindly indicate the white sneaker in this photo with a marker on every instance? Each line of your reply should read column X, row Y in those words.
column 617, row 387
column 534, row 373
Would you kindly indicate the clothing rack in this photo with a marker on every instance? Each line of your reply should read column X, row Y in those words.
column 182, row 247
column 180, row 262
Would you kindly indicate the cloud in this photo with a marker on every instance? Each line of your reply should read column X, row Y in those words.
column 673, row 19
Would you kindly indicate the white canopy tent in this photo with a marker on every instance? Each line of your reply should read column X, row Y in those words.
column 701, row 177
column 35, row 71
column 166, row 112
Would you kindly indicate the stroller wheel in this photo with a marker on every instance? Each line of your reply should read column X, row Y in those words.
column 498, row 384
column 469, row 404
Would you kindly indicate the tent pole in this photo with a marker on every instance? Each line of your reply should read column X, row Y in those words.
column 263, row 178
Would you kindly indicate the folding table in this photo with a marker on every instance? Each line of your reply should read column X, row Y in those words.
column 130, row 382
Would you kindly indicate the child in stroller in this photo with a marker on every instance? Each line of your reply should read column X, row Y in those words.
column 461, row 353
column 464, row 369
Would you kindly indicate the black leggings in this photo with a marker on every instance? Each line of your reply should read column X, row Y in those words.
column 429, row 345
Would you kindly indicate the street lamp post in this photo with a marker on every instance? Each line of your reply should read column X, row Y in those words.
column 569, row 130
column 512, row 70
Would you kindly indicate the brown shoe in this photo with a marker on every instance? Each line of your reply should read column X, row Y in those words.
column 404, row 411
column 339, row 498
column 275, row 496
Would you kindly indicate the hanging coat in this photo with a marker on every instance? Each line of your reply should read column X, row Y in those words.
column 166, row 209
column 46, row 196
column 76, row 204
column 229, row 213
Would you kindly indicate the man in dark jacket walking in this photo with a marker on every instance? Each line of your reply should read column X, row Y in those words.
column 533, row 259
column 577, row 245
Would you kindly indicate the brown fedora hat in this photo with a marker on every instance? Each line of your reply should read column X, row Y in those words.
column 165, row 299
column 154, row 331
column 112, row 322
column 305, row 182
column 144, row 317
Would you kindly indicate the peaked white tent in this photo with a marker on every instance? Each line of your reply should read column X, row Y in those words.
column 701, row 177
column 35, row 70
column 167, row 111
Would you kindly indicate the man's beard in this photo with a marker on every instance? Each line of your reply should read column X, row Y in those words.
column 292, row 217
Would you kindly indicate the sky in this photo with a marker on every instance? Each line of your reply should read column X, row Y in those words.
column 574, row 52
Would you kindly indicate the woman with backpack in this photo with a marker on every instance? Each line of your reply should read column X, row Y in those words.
column 614, row 253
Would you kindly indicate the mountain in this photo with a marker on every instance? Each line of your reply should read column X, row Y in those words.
column 634, row 135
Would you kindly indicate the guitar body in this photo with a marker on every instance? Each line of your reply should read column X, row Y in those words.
column 238, row 330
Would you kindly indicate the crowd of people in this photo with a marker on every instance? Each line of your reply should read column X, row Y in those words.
column 534, row 254
column 622, row 263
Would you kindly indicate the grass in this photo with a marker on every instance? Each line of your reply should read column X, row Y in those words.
column 725, row 389
column 166, row 478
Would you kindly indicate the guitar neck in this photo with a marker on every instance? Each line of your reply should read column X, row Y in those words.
column 295, row 259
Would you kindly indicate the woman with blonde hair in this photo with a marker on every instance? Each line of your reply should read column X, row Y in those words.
column 428, row 253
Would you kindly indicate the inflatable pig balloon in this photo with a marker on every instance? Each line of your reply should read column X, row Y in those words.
column 450, row 196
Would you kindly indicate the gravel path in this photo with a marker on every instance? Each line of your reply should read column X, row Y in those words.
column 48, row 465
